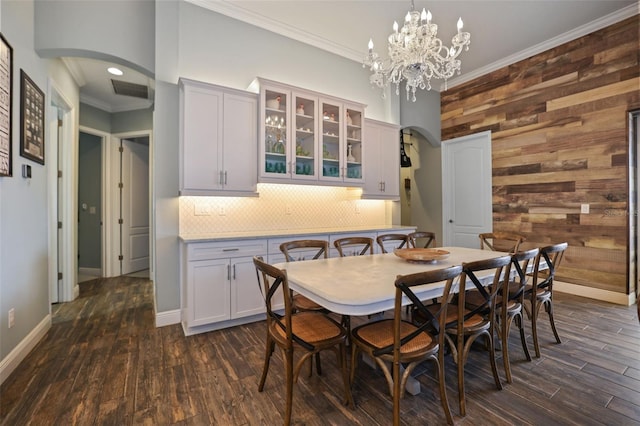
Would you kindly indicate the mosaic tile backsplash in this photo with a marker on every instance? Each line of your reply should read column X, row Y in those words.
column 281, row 207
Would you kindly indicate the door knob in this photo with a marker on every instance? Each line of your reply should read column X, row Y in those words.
column 450, row 220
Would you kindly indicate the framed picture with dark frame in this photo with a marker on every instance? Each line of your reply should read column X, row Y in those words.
column 6, row 102
column 31, row 119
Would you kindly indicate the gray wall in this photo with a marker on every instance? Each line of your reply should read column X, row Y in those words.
column 95, row 118
column 131, row 121
column 89, row 201
column 24, row 208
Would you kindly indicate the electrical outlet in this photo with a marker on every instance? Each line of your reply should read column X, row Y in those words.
column 287, row 209
column 202, row 210
column 222, row 211
column 357, row 208
column 584, row 208
column 12, row 317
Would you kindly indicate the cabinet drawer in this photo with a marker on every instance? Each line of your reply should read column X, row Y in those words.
column 226, row 249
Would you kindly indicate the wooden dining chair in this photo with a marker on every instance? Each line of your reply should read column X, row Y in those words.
column 354, row 246
column 465, row 323
column 395, row 341
column 305, row 250
column 509, row 305
column 390, row 242
column 540, row 293
column 305, row 331
column 429, row 239
column 501, row 241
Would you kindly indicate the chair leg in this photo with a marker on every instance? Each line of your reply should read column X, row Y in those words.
column 492, row 359
column 270, row 346
column 318, row 365
column 397, row 391
column 443, row 388
column 461, row 359
column 289, row 379
column 520, row 323
column 504, row 338
column 534, row 329
column 549, row 308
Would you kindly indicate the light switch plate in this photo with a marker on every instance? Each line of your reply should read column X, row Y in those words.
column 584, row 208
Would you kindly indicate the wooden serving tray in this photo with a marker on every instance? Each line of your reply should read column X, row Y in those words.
column 421, row 254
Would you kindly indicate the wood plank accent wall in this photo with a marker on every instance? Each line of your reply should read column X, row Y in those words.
column 559, row 123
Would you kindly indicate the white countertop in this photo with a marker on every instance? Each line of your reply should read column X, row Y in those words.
column 275, row 233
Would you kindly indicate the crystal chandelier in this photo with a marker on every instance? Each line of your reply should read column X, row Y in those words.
column 416, row 54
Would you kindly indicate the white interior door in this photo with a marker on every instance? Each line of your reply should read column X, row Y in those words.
column 466, row 189
column 135, row 206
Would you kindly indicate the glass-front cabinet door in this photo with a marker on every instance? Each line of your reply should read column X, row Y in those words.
column 305, row 164
column 276, row 118
column 332, row 155
column 353, row 149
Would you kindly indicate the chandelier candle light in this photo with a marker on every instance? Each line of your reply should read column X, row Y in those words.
column 416, row 54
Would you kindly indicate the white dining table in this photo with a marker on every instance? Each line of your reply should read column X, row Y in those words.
column 364, row 285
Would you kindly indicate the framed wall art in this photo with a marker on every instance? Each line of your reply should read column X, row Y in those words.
column 31, row 119
column 6, row 80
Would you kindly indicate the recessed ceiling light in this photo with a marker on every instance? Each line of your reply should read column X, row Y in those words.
column 115, row 71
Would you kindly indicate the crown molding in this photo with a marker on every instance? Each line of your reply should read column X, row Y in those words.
column 236, row 11
column 74, row 70
column 571, row 35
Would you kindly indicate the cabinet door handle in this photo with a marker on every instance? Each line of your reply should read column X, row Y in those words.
column 228, row 272
column 234, row 272
column 231, row 249
column 225, row 177
column 384, row 186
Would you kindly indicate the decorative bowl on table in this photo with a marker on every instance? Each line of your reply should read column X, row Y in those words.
column 421, row 254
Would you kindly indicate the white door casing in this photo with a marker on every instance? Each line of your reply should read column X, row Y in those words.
column 466, row 189
column 135, row 206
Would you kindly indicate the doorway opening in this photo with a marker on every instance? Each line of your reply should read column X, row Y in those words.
column 113, row 206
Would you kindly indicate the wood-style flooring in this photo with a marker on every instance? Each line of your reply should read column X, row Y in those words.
column 104, row 363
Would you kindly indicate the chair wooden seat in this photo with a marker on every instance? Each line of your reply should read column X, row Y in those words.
column 303, row 303
column 380, row 335
column 314, row 328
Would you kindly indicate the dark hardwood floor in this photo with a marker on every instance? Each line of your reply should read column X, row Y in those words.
column 104, row 362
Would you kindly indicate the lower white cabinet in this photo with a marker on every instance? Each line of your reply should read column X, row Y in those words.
column 220, row 287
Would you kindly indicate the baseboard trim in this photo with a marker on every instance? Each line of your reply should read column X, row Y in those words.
column 94, row 272
column 168, row 318
column 20, row 352
column 594, row 293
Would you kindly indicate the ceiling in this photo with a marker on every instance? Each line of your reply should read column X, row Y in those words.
column 502, row 32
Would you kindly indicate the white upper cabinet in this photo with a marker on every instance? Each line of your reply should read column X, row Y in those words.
column 307, row 137
column 218, row 138
column 382, row 175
